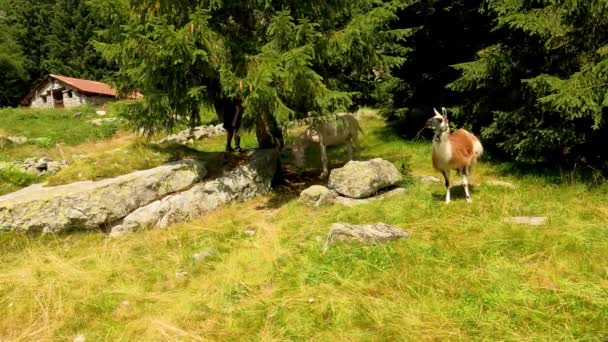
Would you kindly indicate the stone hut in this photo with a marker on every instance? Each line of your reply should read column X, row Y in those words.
column 58, row 91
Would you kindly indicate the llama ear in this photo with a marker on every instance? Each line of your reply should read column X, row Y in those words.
column 444, row 112
column 436, row 112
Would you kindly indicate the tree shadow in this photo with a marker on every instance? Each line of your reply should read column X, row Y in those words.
column 291, row 181
column 456, row 192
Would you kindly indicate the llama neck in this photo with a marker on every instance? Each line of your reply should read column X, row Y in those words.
column 441, row 136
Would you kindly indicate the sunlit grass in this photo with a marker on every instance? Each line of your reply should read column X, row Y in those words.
column 462, row 275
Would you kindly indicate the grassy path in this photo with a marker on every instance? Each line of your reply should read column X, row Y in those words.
column 463, row 274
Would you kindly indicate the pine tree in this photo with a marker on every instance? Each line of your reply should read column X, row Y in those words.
column 12, row 63
column 292, row 59
column 539, row 92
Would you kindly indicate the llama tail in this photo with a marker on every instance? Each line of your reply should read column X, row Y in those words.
column 477, row 149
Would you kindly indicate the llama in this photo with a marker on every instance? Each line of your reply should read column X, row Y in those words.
column 343, row 130
column 459, row 150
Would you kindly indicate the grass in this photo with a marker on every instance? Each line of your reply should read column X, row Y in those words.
column 463, row 275
column 54, row 125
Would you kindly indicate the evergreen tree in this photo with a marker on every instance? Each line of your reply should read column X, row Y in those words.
column 539, row 91
column 12, row 69
column 294, row 59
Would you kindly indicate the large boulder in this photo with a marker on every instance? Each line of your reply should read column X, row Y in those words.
column 244, row 182
column 317, row 195
column 92, row 205
column 361, row 179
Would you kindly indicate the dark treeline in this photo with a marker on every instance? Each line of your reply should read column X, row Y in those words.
column 530, row 77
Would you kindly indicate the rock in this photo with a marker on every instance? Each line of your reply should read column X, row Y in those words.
column 100, row 112
column 428, row 179
column 500, row 184
column 79, row 338
column 42, row 164
column 54, row 166
column 207, row 253
column 360, row 179
column 19, row 140
column 242, row 183
column 92, row 205
column 103, row 121
column 197, row 133
column 378, row 232
column 5, row 142
column 317, row 195
column 181, row 274
column 350, row 202
column 249, row 232
column 529, row 220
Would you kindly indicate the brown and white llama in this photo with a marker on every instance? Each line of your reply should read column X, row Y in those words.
column 459, row 150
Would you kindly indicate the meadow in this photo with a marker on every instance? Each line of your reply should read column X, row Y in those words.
column 464, row 274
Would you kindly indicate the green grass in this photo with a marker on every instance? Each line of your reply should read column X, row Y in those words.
column 462, row 275
column 55, row 125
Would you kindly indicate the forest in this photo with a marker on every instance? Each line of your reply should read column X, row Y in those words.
column 530, row 77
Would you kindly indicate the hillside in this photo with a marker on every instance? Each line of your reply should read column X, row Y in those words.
column 463, row 274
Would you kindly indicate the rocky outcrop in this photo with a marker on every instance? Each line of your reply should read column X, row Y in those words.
column 91, row 205
column 198, row 133
column 41, row 166
column 360, row 179
column 371, row 233
column 242, row 183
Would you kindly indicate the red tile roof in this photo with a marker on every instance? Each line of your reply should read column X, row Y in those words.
column 87, row 86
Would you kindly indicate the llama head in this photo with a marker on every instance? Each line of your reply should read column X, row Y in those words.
column 439, row 122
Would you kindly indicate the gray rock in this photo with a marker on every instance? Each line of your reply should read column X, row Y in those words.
column 181, row 274
column 207, row 253
column 500, row 184
column 92, row 205
column 378, row 232
column 529, row 220
column 197, row 133
column 19, row 140
column 249, row 232
column 104, row 121
column 79, row 338
column 351, row 202
column 317, row 195
column 242, row 183
column 361, row 179
column 54, row 166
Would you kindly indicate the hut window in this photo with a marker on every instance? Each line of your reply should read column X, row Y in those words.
column 69, row 93
column 43, row 97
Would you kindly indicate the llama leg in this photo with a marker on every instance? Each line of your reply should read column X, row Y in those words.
column 465, row 185
column 325, row 172
column 446, row 176
column 349, row 146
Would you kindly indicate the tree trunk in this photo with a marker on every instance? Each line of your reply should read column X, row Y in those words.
column 267, row 131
